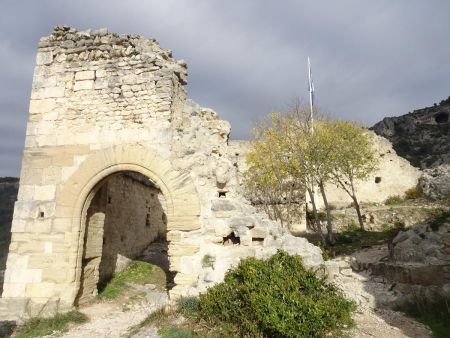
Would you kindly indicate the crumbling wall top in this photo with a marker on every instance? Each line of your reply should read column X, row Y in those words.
column 66, row 44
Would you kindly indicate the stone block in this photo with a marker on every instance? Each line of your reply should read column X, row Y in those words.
column 100, row 73
column 44, row 192
column 43, row 261
column 15, row 275
column 221, row 228
column 18, row 261
column 259, row 233
column 83, row 85
column 185, row 279
column 39, row 290
column 13, row 290
column 44, row 58
column 62, row 225
column 40, row 225
column 183, row 249
column 42, row 106
column 18, row 225
column 48, row 92
column 175, row 236
column 54, row 274
column 85, row 75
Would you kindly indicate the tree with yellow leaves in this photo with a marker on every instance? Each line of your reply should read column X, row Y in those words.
column 353, row 159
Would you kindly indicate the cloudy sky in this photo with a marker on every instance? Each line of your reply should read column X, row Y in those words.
column 246, row 58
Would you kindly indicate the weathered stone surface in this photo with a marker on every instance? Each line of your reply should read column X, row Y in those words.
column 435, row 182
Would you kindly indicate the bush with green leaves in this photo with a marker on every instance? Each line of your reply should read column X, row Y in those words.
column 278, row 297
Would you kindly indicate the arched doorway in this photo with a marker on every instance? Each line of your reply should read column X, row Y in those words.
column 124, row 215
column 74, row 197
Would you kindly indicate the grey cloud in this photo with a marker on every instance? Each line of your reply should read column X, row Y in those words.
column 247, row 58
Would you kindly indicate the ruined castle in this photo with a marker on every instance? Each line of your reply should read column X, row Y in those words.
column 116, row 156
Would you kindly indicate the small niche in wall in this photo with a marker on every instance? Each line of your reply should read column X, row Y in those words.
column 41, row 214
column 147, row 220
column 109, row 200
column 231, row 239
column 222, row 193
column 377, row 179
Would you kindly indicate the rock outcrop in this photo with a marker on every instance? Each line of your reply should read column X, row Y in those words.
column 435, row 182
column 422, row 137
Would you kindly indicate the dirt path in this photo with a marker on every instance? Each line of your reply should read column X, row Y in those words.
column 372, row 318
column 113, row 320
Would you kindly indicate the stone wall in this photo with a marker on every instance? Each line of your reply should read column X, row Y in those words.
column 101, row 104
column 393, row 176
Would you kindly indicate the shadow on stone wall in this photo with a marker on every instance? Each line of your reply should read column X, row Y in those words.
column 125, row 216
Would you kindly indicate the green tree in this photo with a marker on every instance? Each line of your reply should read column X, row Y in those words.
column 269, row 181
column 286, row 157
column 353, row 158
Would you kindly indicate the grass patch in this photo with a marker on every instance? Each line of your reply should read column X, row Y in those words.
column 139, row 273
column 175, row 332
column 39, row 327
column 393, row 200
column 435, row 314
column 349, row 242
column 157, row 317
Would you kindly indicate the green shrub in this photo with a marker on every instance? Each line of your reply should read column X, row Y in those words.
column 438, row 218
column 352, row 226
column 414, row 193
column 39, row 327
column 393, row 200
column 188, row 306
column 208, row 261
column 276, row 298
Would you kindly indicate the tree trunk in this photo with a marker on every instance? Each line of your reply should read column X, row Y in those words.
column 357, row 208
column 330, row 237
column 358, row 212
column 318, row 226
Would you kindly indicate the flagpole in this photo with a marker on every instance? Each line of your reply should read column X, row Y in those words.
column 311, row 90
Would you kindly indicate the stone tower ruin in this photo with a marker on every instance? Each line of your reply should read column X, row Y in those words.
column 115, row 157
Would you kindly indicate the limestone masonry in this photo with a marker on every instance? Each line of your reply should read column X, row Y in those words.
column 106, row 109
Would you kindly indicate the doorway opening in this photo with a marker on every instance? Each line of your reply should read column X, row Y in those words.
column 125, row 220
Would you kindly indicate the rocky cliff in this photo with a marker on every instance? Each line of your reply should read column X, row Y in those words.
column 422, row 137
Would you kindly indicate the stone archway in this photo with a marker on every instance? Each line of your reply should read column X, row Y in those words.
column 124, row 220
column 182, row 203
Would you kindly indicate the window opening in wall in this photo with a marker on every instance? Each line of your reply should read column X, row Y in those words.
column 41, row 214
column 222, row 193
column 377, row 179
